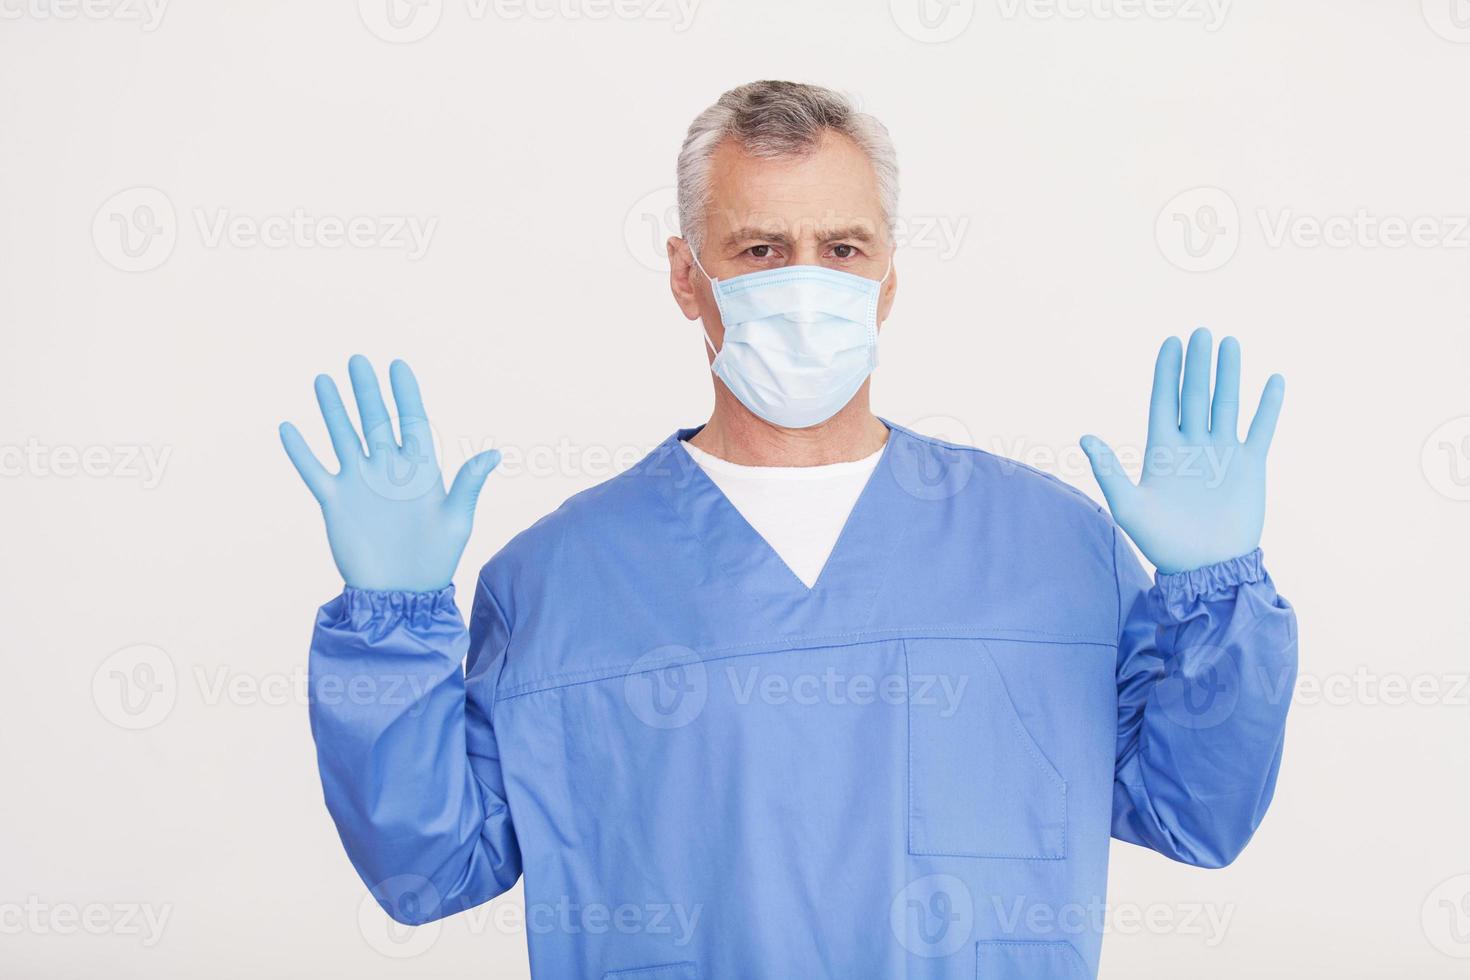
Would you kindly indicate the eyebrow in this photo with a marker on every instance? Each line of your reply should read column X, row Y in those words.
column 852, row 232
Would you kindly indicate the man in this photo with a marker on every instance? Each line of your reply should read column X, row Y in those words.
column 802, row 694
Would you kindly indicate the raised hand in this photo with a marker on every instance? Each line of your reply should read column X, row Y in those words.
column 390, row 524
column 1202, row 496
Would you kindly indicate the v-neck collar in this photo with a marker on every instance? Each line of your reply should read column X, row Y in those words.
column 855, row 568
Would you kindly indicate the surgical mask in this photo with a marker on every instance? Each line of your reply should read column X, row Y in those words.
column 799, row 340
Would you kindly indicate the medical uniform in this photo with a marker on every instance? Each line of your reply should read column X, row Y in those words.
column 705, row 768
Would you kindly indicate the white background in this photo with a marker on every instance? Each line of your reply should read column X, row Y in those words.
column 1049, row 144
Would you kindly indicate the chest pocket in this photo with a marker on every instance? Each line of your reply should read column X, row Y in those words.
column 979, row 785
column 1028, row 961
column 668, row 971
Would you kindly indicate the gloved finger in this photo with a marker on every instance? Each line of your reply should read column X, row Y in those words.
column 1225, row 409
column 1263, row 426
column 1163, row 405
column 1111, row 477
column 377, row 430
column 1194, row 402
column 413, row 421
column 312, row 472
column 468, row 482
column 339, row 426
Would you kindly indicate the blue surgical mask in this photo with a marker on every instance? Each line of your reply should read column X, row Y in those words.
column 799, row 340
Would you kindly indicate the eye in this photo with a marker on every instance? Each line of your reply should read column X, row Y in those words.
column 759, row 251
column 844, row 251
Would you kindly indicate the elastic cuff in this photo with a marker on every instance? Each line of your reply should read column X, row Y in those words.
column 1217, row 581
column 361, row 607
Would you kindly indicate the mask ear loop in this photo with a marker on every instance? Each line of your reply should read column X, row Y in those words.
column 888, row 272
column 712, row 285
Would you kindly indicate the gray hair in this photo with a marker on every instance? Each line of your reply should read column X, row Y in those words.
column 775, row 119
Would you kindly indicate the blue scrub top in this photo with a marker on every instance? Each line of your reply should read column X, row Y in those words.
column 704, row 769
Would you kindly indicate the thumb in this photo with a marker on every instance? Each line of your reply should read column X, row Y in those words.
column 1108, row 471
column 470, row 479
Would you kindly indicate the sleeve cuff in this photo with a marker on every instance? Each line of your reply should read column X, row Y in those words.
column 364, row 607
column 1179, row 590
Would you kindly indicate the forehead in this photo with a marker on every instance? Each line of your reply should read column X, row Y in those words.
column 833, row 183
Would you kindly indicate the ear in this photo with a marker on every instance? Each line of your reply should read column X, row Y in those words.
column 684, row 277
column 886, row 295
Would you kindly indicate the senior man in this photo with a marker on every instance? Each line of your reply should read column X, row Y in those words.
column 803, row 693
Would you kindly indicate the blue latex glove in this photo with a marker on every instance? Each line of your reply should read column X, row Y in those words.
column 1202, row 497
column 389, row 522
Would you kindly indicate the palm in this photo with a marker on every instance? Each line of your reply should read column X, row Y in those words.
column 390, row 523
column 1201, row 498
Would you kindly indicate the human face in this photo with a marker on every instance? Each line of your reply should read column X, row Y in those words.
column 820, row 208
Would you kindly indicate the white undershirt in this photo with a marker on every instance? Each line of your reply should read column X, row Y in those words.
column 799, row 510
